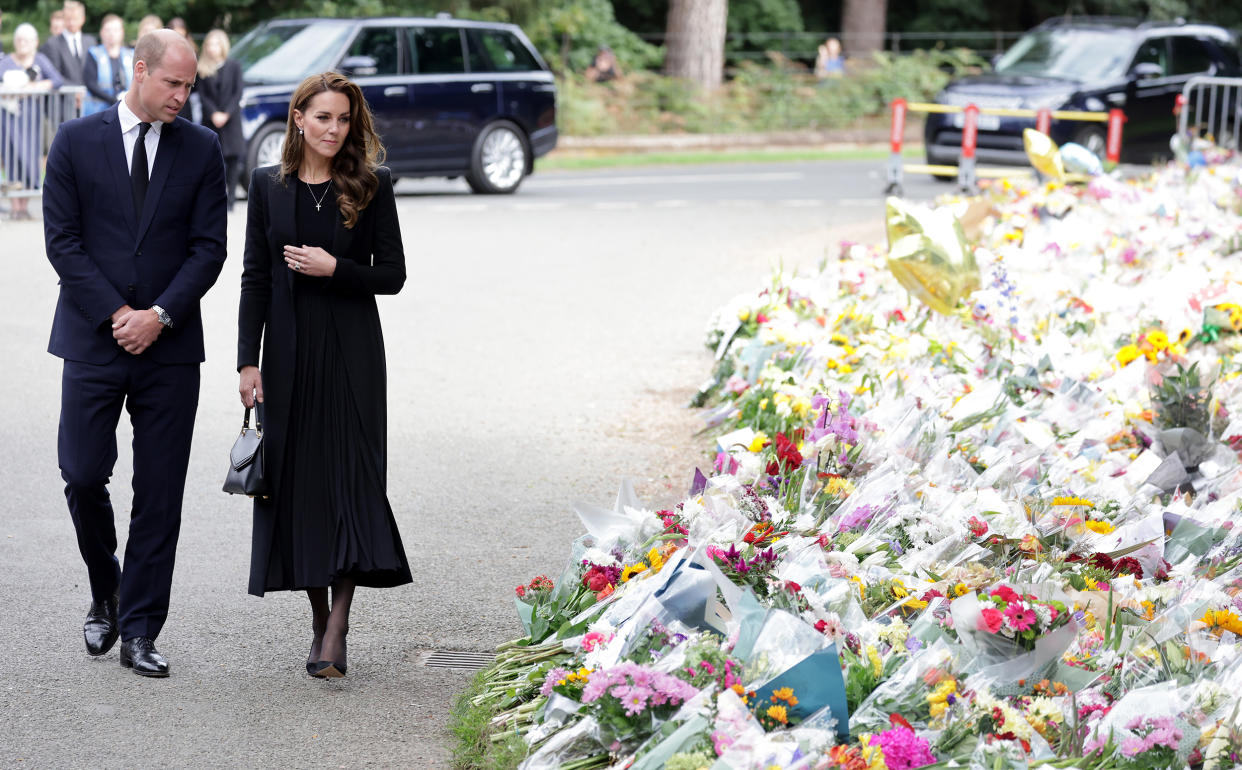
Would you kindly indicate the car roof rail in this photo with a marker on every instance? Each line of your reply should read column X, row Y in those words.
column 444, row 15
column 1178, row 22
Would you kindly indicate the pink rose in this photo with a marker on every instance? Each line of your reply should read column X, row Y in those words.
column 991, row 620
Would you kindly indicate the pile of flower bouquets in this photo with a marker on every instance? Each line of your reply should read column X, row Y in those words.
column 971, row 500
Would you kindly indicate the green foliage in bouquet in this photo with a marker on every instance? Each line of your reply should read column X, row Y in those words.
column 1182, row 400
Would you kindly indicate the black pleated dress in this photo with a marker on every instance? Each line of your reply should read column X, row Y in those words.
column 332, row 515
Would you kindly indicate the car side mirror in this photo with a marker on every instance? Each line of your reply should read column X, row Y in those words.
column 358, row 66
column 1146, row 71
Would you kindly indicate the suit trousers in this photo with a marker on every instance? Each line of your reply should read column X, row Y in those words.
column 161, row 400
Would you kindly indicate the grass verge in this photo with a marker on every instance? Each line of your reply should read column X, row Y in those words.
column 578, row 161
column 478, row 747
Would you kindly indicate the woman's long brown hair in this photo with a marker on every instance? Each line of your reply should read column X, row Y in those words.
column 353, row 168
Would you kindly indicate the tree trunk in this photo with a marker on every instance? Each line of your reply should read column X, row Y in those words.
column 863, row 26
column 695, row 40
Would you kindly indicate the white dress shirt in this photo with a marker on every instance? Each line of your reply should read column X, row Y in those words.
column 75, row 43
column 129, row 135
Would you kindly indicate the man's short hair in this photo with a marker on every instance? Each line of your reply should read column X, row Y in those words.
column 74, row 5
column 152, row 46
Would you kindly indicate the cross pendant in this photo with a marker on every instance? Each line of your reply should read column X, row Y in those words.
column 317, row 206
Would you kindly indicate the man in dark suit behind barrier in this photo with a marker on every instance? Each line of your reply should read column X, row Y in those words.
column 134, row 221
column 68, row 49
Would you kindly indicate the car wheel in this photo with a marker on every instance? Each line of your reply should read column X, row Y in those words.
column 499, row 159
column 1094, row 139
column 265, row 147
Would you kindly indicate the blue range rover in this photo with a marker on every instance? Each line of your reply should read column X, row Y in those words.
column 450, row 97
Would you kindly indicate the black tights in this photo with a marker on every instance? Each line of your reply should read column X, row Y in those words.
column 330, row 625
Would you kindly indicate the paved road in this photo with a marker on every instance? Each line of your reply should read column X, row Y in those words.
column 543, row 349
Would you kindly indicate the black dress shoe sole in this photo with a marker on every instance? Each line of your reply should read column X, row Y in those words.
column 330, row 671
column 140, row 672
column 103, row 651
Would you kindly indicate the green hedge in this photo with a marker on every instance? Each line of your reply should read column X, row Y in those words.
column 774, row 97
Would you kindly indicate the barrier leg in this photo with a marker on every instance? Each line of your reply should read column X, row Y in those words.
column 895, row 137
column 966, row 165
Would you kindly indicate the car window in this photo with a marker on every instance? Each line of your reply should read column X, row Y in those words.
column 498, row 50
column 287, row 53
column 379, row 43
column 1153, row 51
column 1072, row 54
column 436, row 51
column 1190, row 56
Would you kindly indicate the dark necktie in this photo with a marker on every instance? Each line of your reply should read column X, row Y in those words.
column 138, row 173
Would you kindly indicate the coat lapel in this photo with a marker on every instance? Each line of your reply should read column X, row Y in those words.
column 284, row 226
column 114, row 152
column 165, row 159
column 342, row 237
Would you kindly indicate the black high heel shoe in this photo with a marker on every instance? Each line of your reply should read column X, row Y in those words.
column 330, row 669
column 312, row 662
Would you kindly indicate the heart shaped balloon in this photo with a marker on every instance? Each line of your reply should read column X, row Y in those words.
column 928, row 254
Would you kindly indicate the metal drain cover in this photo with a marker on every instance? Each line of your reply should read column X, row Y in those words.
column 459, row 659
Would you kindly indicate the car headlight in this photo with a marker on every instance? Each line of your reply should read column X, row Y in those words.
column 1046, row 101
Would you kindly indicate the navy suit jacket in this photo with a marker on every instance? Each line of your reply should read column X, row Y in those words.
column 107, row 257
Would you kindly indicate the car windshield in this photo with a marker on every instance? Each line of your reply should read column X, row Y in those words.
column 1068, row 54
column 287, row 53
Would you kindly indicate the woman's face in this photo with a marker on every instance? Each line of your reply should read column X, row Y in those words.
column 212, row 49
column 324, row 124
column 25, row 44
column 112, row 34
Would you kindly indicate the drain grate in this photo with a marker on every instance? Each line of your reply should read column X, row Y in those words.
column 459, row 659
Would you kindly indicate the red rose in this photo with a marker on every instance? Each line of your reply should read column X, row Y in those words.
column 595, row 579
column 1005, row 594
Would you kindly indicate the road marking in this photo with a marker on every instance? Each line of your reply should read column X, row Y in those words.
column 802, row 203
column 671, row 204
column 618, row 181
column 860, row 202
column 738, row 203
column 537, row 206
column 615, row 205
column 455, row 208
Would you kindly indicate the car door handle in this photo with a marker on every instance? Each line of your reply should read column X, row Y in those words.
column 479, row 88
column 395, row 90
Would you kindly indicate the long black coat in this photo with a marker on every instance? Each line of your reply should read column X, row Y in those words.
column 370, row 261
column 222, row 93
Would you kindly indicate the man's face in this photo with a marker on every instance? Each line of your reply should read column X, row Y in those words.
column 161, row 92
column 74, row 19
column 112, row 34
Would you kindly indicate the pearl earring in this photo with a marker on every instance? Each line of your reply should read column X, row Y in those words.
column 299, row 132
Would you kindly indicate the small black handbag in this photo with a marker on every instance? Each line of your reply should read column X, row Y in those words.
column 246, row 459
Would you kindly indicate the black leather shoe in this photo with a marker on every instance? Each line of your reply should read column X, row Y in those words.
column 100, row 628
column 140, row 654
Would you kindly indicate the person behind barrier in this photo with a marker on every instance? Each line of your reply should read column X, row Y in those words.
column 828, row 61
column 149, row 23
column 55, row 26
column 21, row 119
column 109, row 67
column 219, row 89
column 68, row 50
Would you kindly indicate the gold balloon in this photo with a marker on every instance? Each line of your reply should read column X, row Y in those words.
column 1044, row 154
column 928, row 254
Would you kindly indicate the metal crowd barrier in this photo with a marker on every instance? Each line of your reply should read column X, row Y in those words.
column 28, row 121
column 966, row 171
column 1213, row 107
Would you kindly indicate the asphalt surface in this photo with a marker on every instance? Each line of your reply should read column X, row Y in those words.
column 543, row 350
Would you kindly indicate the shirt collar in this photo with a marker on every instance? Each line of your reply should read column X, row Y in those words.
column 129, row 120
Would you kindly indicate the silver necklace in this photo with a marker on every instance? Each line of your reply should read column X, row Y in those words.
column 320, row 199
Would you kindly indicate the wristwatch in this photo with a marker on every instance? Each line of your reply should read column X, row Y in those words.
column 162, row 314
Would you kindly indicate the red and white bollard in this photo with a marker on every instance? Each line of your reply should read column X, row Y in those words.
column 1178, row 104
column 970, row 136
column 895, row 136
column 1043, row 121
column 1113, row 149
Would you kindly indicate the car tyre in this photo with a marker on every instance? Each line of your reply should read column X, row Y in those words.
column 1094, row 139
column 265, row 147
column 499, row 159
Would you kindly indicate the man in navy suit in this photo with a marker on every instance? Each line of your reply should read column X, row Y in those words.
column 134, row 221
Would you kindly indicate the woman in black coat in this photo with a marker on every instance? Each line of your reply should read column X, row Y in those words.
column 219, row 91
column 322, row 239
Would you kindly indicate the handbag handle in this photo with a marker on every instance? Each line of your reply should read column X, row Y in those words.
column 258, row 418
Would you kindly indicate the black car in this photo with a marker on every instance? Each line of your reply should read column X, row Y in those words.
column 450, row 97
column 1087, row 64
